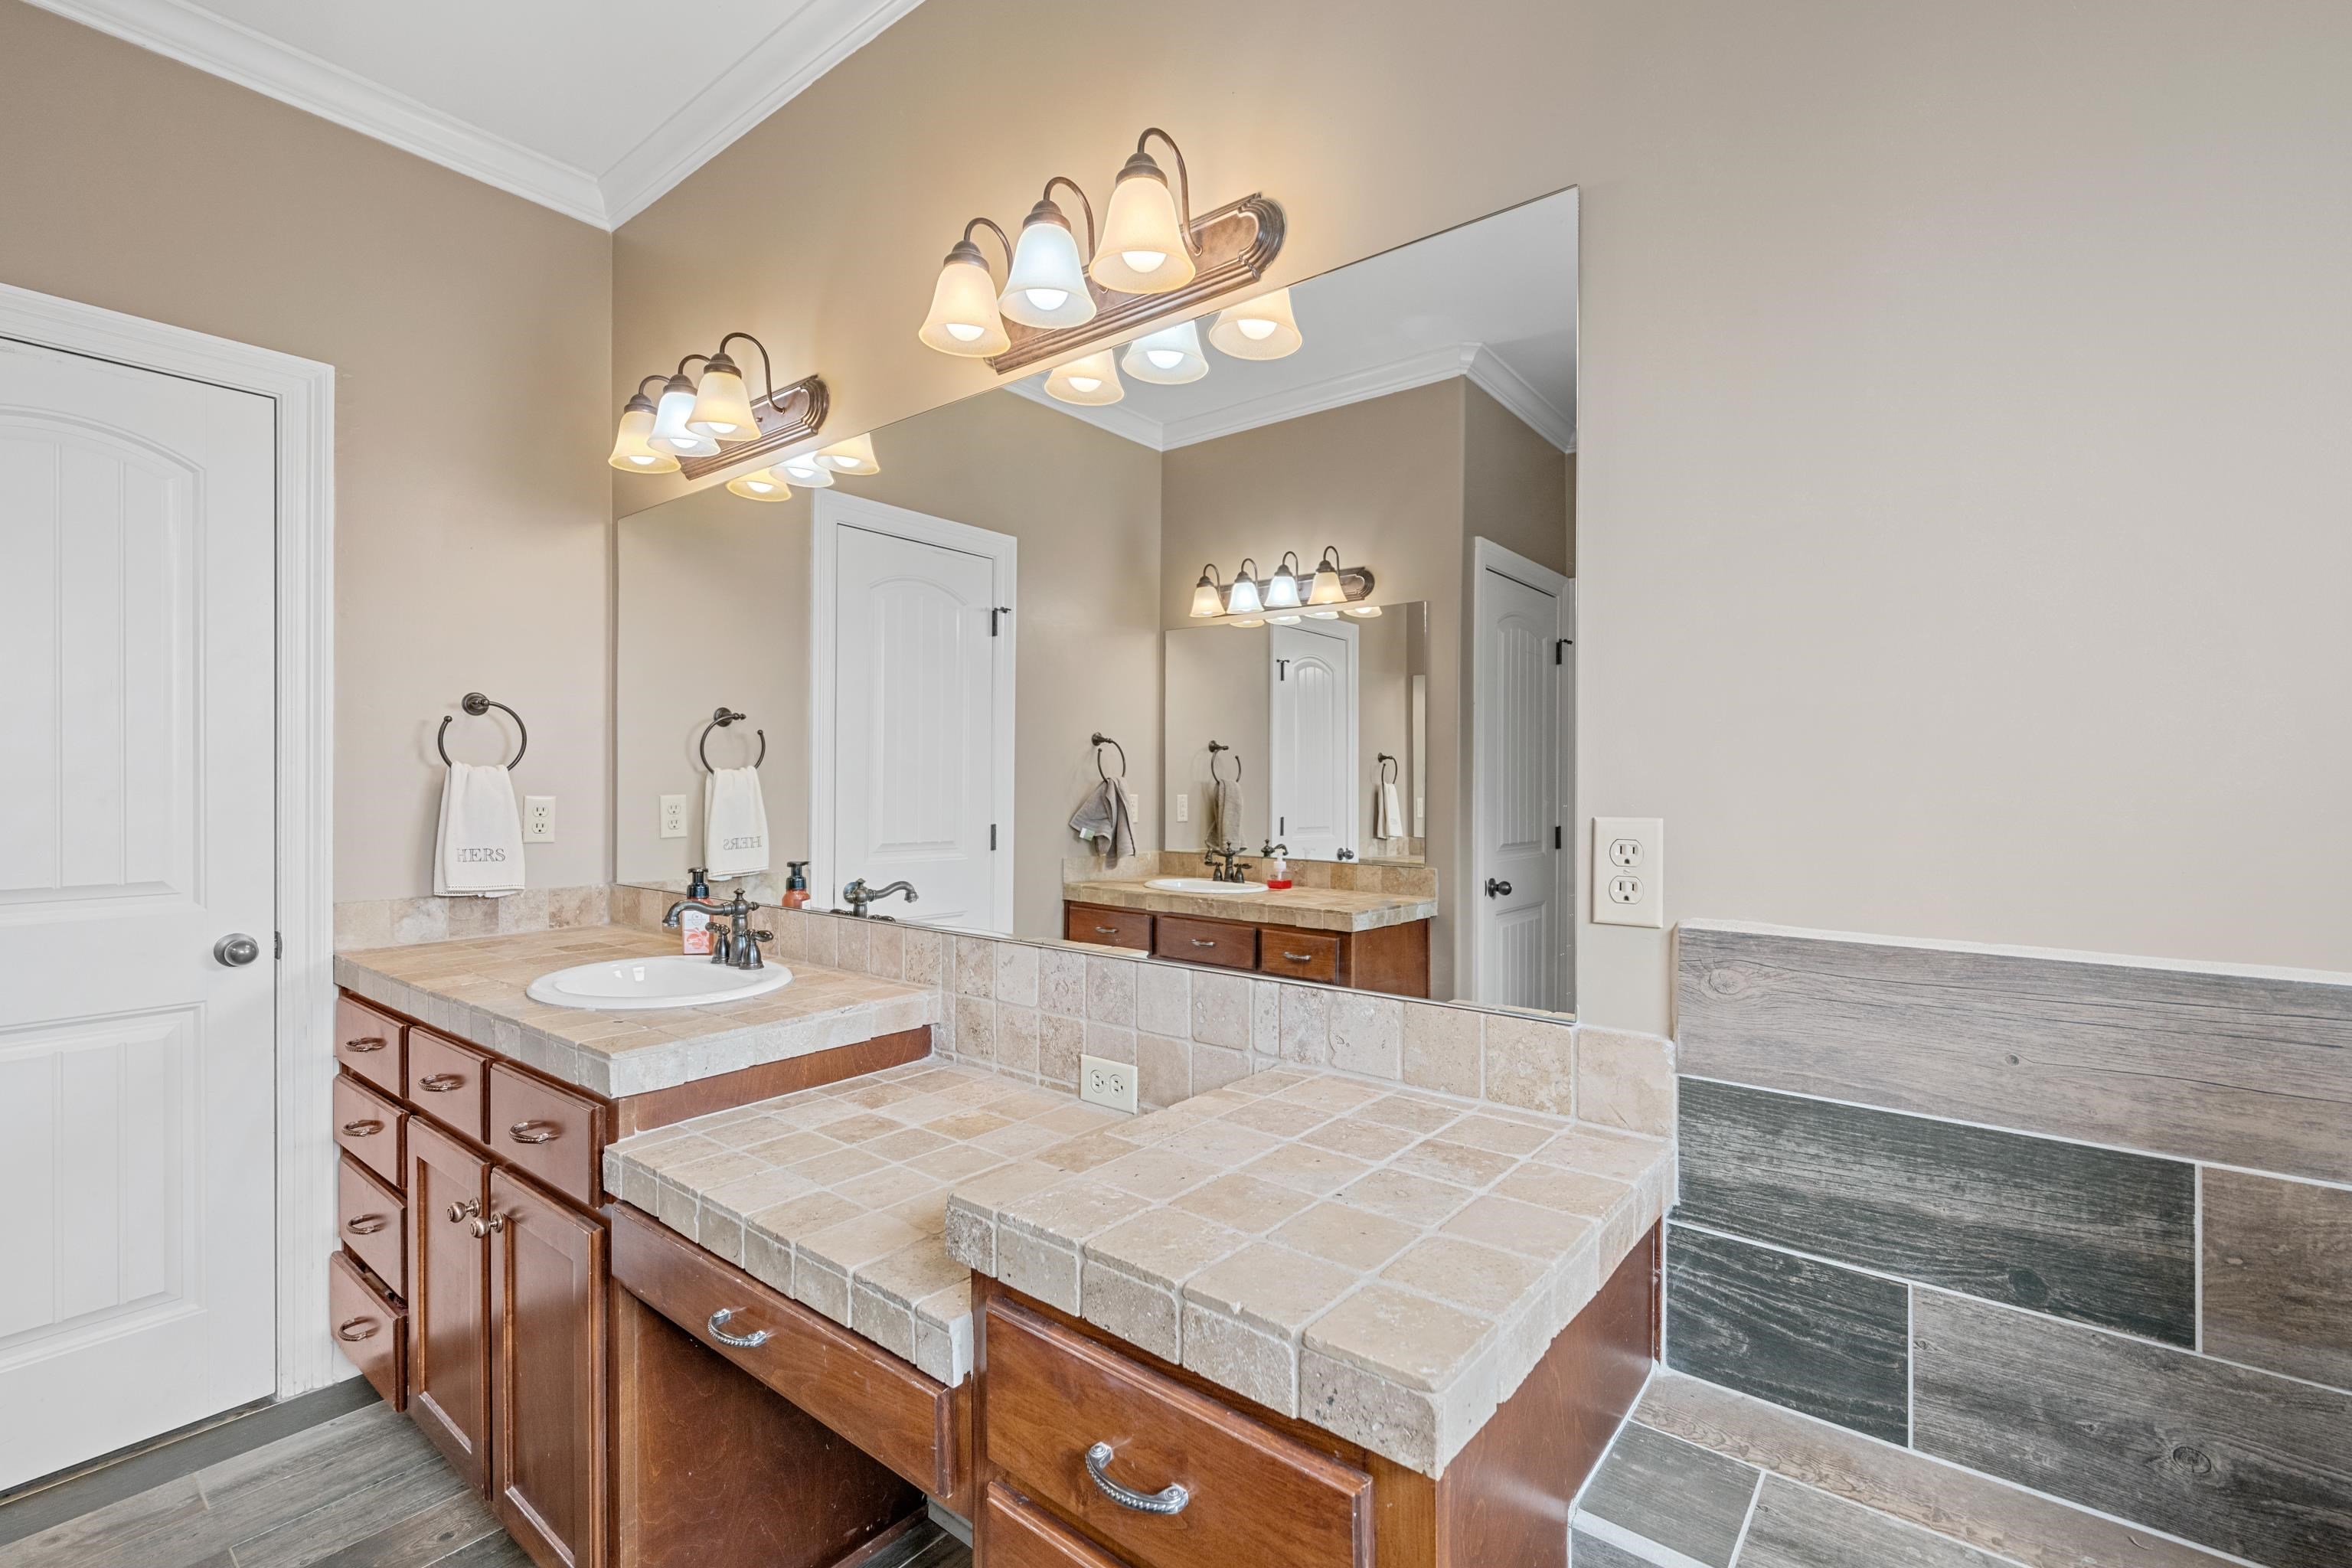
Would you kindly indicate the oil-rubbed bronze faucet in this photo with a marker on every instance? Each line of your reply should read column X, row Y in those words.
column 738, row 946
column 857, row 896
column 1229, row 871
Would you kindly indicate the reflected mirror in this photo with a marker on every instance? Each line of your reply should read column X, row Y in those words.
column 1113, row 653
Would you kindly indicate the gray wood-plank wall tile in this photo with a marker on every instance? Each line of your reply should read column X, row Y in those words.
column 2278, row 1276
column 2092, row 1234
column 1688, row 1499
column 1797, row 1527
column 2236, row 1070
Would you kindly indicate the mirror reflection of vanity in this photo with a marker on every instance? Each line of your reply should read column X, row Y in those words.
column 929, row 651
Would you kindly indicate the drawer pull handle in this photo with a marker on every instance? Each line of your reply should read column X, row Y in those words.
column 365, row 1043
column 751, row 1340
column 1168, row 1499
column 441, row 1082
column 463, row 1207
column 1197, row 943
column 534, row 1131
column 482, row 1227
column 366, row 1127
column 1299, row 957
column 1105, row 931
column 367, row 1327
column 364, row 1223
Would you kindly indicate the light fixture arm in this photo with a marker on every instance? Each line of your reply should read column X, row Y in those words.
column 1083, row 205
column 767, row 368
column 991, row 226
column 645, row 381
column 1184, row 183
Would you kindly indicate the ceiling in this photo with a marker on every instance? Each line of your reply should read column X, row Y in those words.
column 1493, row 301
column 579, row 105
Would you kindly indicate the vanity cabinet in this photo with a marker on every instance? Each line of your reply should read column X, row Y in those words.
column 547, row 1369
column 1392, row 959
column 449, row 1300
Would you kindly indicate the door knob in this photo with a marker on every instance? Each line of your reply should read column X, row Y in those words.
column 1496, row 889
column 236, row 950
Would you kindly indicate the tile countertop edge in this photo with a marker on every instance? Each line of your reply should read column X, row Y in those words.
column 1311, row 912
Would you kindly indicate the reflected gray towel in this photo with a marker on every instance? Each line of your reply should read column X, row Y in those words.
column 1223, row 825
column 1101, row 818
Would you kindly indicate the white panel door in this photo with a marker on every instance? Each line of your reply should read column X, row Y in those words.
column 1513, row 893
column 1311, row 752
column 915, row 724
column 137, row 1073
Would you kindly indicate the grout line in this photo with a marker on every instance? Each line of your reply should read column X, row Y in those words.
column 1910, row 1366
column 1739, row 1541
column 2196, row 1240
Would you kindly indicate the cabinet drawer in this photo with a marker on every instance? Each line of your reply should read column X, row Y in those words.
column 449, row 1082
column 546, row 1131
column 372, row 1219
column 369, row 1127
column 1253, row 1495
column 1110, row 927
column 367, row 1328
column 1295, row 954
column 1207, row 941
column 1014, row 1534
column 369, row 1043
column 884, row 1406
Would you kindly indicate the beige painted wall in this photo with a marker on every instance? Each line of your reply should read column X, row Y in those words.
column 1514, row 484
column 469, row 330
column 1961, row 538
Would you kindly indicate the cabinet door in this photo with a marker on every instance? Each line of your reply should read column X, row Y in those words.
column 548, row 1374
column 448, row 1300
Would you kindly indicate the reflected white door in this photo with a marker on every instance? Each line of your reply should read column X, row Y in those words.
column 920, row 723
column 137, row 1073
column 1311, row 752
column 1514, row 891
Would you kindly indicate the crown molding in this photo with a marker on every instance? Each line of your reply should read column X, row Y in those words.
column 1496, row 377
column 817, row 37
column 236, row 53
column 1116, row 417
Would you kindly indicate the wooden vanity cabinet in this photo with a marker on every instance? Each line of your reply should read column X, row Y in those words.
column 1391, row 959
column 449, row 1300
column 547, row 1369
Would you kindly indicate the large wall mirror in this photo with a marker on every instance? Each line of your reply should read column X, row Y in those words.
column 1064, row 665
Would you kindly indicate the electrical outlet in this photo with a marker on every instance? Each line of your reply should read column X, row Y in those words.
column 1134, row 803
column 1106, row 1083
column 539, row 819
column 1629, row 870
column 672, row 816
column 1183, row 808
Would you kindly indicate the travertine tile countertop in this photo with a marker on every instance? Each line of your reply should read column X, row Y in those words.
column 1386, row 1264
column 838, row 1195
column 476, row 989
column 1313, row 909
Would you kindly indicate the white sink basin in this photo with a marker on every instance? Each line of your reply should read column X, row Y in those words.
column 1201, row 885
column 620, row 985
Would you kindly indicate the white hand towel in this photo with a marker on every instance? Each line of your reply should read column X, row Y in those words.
column 1388, row 812
column 478, row 848
column 734, row 823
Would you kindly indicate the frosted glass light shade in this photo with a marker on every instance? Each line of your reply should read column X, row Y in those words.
column 760, row 484
column 1243, row 599
column 1263, row 328
column 1328, row 588
column 1171, row 356
column 671, row 432
column 1090, row 383
column 1047, row 285
column 963, row 320
column 854, row 456
column 805, row 472
column 1206, row 600
column 1143, row 248
column 1282, row 590
column 722, row 409
column 632, row 452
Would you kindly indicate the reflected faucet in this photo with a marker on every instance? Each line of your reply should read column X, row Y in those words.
column 858, row 895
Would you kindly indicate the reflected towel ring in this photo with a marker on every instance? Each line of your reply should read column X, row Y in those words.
column 721, row 719
column 1101, row 740
column 1386, row 763
column 1216, row 746
column 476, row 704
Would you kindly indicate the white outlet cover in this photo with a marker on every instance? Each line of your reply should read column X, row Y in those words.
column 539, row 819
column 1629, row 871
column 1106, row 1083
column 672, row 816
column 1183, row 808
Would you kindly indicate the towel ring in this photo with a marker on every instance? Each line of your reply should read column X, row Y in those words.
column 1101, row 740
column 1386, row 763
column 476, row 704
column 1216, row 746
column 721, row 719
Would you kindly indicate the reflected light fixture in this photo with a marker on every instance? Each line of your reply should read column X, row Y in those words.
column 1091, row 381
column 633, row 451
column 1146, row 240
column 1045, row 282
column 803, row 469
column 1263, row 328
column 1282, row 620
column 1171, row 356
column 1328, row 588
column 1282, row 588
column 760, row 484
column 963, row 320
column 1208, row 594
column 1363, row 612
column 1244, row 598
column 1249, row 624
column 854, row 456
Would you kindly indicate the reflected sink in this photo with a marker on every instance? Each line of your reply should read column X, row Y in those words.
column 619, row 984
column 1201, row 885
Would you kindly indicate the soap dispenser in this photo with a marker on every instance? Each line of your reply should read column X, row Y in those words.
column 695, row 923
column 796, row 884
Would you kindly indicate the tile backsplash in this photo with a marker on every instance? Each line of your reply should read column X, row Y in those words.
column 403, row 923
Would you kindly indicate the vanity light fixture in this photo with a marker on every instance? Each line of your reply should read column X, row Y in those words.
column 1332, row 590
column 1168, row 357
column 1091, row 381
column 711, row 421
column 1263, row 328
column 633, row 449
column 1208, row 594
column 1282, row 588
column 760, row 484
column 854, row 456
column 1151, row 260
column 1242, row 599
